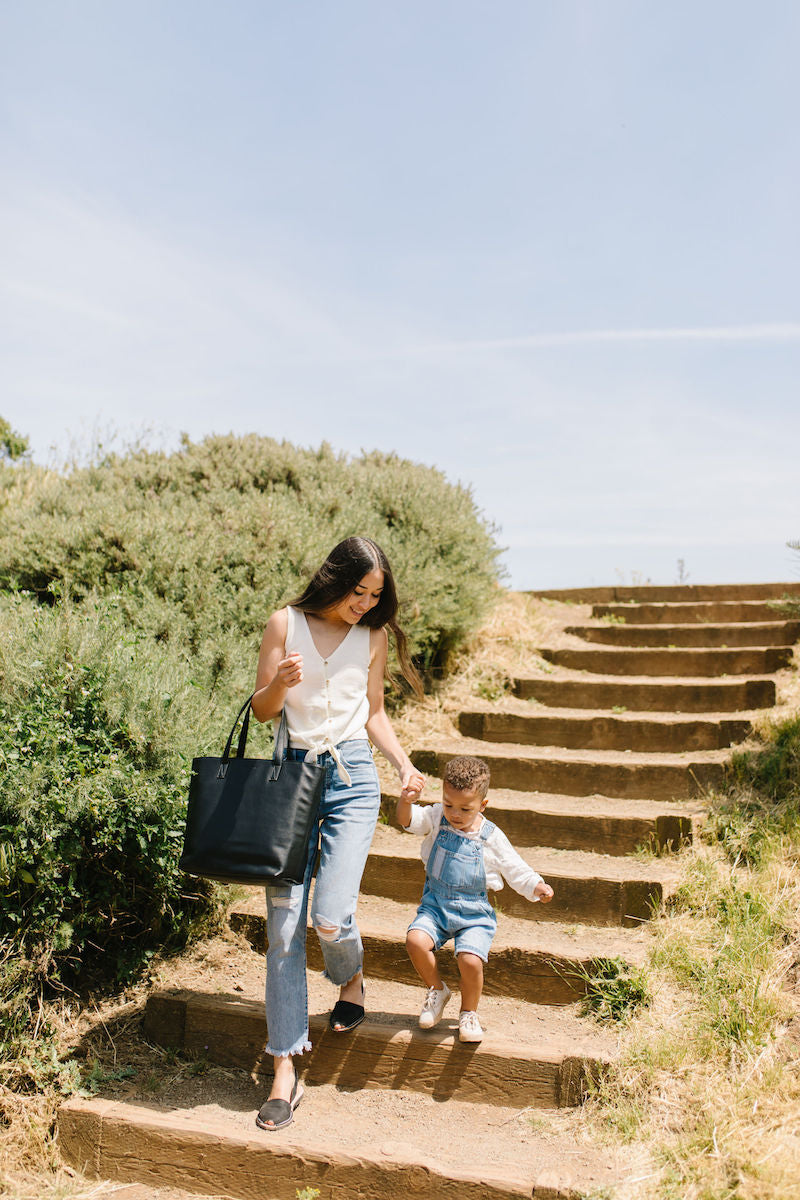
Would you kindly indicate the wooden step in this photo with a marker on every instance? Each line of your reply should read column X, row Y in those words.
column 679, row 592
column 594, row 889
column 630, row 775
column 599, row 823
column 724, row 612
column 745, row 660
column 543, row 1068
column 541, row 963
column 647, row 695
column 109, row 1190
column 603, row 731
column 766, row 633
column 365, row 1144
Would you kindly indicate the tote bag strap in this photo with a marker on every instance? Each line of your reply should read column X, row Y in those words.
column 242, row 743
column 281, row 738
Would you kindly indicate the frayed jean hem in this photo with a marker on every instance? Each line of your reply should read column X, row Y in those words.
column 301, row 1046
column 340, row 983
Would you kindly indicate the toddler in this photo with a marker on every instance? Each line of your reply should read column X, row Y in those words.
column 464, row 855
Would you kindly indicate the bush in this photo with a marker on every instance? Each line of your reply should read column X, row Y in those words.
column 92, row 791
column 202, row 545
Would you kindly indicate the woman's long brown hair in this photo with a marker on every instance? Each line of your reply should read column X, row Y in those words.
column 341, row 572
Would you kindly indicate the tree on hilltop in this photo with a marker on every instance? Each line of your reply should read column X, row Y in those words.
column 13, row 445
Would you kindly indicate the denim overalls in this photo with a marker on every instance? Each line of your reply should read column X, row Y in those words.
column 454, row 902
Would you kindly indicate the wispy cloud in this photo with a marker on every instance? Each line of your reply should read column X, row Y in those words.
column 788, row 331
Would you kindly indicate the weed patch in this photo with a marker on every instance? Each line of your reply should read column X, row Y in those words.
column 614, row 990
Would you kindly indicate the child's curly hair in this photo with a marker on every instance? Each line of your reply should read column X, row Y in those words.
column 467, row 774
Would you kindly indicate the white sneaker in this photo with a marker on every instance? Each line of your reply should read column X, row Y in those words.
column 432, row 1009
column 469, row 1027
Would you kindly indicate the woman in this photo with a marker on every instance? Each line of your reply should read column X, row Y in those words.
column 323, row 660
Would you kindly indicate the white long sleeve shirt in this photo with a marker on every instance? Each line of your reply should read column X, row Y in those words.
column 500, row 859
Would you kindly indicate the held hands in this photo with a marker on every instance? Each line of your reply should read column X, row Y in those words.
column 290, row 670
column 411, row 782
column 543, row 892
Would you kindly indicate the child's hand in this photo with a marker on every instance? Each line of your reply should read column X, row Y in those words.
column 543, row 892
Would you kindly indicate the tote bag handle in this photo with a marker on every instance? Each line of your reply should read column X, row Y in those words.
column 281, row 738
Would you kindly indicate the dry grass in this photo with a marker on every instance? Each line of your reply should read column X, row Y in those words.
column 708, row 1080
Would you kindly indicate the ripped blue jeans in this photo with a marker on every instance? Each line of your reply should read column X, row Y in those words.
column 343, row 833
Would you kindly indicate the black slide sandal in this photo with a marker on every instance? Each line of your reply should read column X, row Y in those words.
column 346, row 1014
column 279, row 1112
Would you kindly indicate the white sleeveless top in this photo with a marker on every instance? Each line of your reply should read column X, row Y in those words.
column 330, row 705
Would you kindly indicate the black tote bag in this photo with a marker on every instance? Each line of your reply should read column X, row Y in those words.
column 249, row 819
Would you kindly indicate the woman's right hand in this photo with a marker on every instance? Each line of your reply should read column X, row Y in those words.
column 290, row 670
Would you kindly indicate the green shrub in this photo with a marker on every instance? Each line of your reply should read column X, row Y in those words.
column 93, row 782
column 12, row 444
column 210, row 540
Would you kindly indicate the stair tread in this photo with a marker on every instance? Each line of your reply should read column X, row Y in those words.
column 583, row 864
column 711, row 626
column 372, row 1140
column 626, row 758
column 512, row 1028
column 388, row 920
column 693, row 612
column 558, row 673
column 235, row 973
column 513, row 706
column 673, row 651
column 141, row 1191
column 555, row 802
column 660, row 662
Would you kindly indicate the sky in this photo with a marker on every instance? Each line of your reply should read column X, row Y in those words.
column 547, row 246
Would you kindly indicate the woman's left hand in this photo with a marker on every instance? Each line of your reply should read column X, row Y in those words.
column 411, row 783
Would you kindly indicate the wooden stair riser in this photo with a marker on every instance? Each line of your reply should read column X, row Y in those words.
column 673, row 663
column 679, row 614
column 603, row 732
column 591, row 901
column 600, row 834
column 637, row 781
column 677, row 593
column 781, row 633
column 740, row 695
column 528, row 975
column 232, row 1033
column 104, row 1140
column 617, row 836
